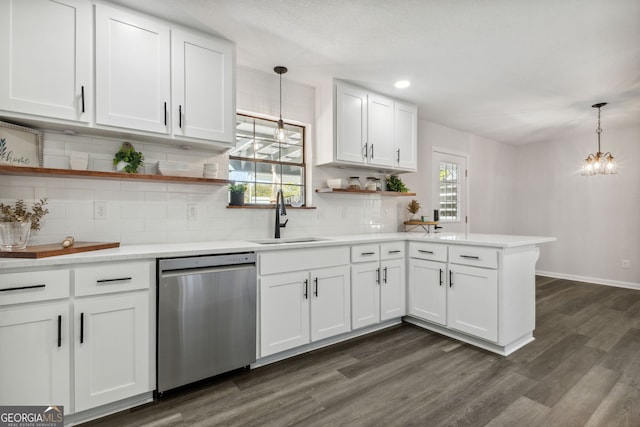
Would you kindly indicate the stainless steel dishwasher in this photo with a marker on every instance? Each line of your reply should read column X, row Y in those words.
column 206, row 317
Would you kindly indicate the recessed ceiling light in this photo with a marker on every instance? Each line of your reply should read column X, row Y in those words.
column 402, row 84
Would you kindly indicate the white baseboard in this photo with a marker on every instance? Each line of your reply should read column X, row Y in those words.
column 607, row 282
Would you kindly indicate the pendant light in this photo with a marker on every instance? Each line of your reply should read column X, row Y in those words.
column 280, row 134
column 599, row 163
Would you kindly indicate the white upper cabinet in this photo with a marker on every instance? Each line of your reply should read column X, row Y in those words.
column 361, row 128
column 351, row 123
column 405, row 121
column 203, row 87
column 380, row 131
column 47, row 62
column 132, row 71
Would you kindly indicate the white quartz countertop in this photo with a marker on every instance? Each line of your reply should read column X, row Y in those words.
column 168, row 250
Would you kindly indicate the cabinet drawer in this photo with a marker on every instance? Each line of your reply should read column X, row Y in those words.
column 430, row 251
column 111, row 277
column 303, row 259
column 469, row 255
column 364, row 253
column 33, row 286
column 392, row 250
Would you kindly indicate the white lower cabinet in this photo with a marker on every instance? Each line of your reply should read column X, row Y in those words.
column 460, row 297
column 34, row 355
column 377, row 287
column 300, row 307
column 104, row 351
column 472, row 305
column 111, row 348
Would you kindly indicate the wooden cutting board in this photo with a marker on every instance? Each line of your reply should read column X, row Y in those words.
column 54, row 249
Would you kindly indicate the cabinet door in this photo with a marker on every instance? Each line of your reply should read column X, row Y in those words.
column 365, row 294
column 47, row 58
column 203, row 87
column 284, row 312
column 351, row 123
column 405, row 136
column 428, row 290
column 473, row 301
column 34, row 355
column 330, row 302
column 380, row 130
column 392, row 285
column 132, row 71
column 111, row 348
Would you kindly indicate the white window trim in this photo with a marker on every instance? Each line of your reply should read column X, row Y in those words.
column 435, row 196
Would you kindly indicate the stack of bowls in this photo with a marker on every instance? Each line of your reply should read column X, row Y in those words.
column 210, row 170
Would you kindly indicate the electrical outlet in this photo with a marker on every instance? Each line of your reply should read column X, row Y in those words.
column 192, row 212
column 99, row 209
column 625, row 263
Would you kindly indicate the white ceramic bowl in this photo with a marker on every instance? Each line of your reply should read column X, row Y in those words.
column 335, row 183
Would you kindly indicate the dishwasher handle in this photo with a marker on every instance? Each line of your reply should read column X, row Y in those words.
column 205, row 270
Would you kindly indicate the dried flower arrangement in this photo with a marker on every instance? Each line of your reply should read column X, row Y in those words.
column 19, row 212
column 414, row 206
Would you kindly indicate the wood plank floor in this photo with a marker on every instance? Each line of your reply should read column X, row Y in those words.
column 583, row 369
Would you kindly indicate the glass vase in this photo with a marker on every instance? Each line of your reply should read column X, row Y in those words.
column 14, row 235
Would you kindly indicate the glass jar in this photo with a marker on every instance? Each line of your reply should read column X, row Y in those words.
column 354, row 183
column 378, row 184
column 370, row 185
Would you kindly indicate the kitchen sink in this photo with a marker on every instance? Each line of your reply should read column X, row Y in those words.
column 290, row 240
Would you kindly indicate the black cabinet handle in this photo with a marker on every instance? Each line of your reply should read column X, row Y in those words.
column 106, row 281
column 366, row 150
column 440, row 277
column 425, row 252
column 470, row 257
column 372, row 151
column 367, row 253
column 450, row 278
column 82, row 97
column 385, row 275
column 306, row 289
column 316, row 283
column 395, row 252
column 81, row 328
column 20, row 288
column 398, row 155
column 377, row 276
column 165, row 113
column 180, row 116
column 59, row 330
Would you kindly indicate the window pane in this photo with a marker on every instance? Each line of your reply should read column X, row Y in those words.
column 449, row 185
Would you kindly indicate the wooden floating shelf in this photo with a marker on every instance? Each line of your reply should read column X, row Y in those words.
column 270, row 207
column 346, row 191
column 19, row 170
column 421, row 223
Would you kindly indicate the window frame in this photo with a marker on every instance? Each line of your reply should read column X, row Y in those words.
column 257, row 161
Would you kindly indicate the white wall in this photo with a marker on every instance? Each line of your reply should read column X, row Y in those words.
column 490, row 176
column 595, row 218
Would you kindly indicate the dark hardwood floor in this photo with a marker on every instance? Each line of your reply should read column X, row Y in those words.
column 583, row 369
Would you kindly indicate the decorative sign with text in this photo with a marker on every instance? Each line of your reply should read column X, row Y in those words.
column 20, row 146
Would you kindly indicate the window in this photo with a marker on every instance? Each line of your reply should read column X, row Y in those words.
column 266, row 165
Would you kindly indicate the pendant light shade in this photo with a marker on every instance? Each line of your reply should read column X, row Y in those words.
column 599, row 163
column 280, row 133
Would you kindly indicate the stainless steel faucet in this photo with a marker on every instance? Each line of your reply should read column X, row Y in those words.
column 280, row 210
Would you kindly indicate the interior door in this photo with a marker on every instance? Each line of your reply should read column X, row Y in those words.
column 449, row 190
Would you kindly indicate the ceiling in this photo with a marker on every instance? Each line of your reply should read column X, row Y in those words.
column 515, row 71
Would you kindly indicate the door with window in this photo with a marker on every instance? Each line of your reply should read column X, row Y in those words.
column 449, row 190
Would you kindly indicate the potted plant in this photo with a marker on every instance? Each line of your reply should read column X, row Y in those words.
column 128, row 159
column 394, row 183
column 237, row 194
column 16, row 223
column 413, row 209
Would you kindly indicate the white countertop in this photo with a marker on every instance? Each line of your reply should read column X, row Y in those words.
column 167, row 250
